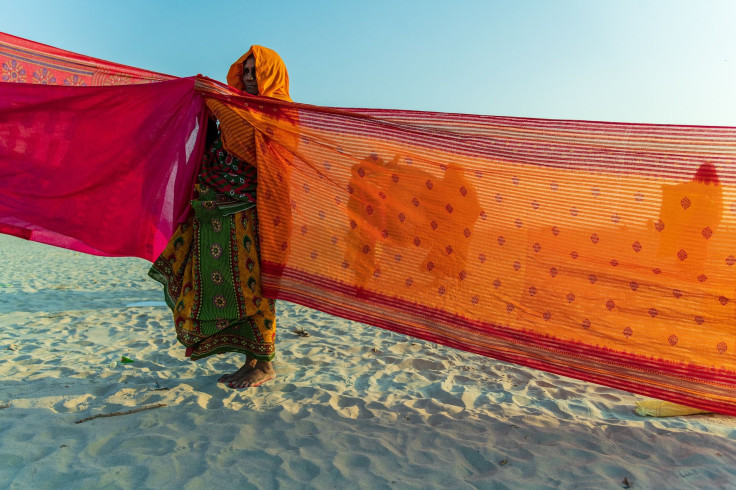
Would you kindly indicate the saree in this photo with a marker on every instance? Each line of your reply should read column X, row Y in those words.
column 595, row 250
column 210, row 268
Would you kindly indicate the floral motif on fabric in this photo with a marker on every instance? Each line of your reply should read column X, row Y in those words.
column 13, row 72
column 216, row 225
column 75, row 81
column 44, row 77
column 216, row 278
column 117, row 80
column 216, row 250
column 219, row 301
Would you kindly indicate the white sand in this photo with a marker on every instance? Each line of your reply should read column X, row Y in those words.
column 353, row 405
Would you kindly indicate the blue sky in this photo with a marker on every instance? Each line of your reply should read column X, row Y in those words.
column 663, row 61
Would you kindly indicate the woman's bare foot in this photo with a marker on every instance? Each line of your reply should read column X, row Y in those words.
column 253, row 373
column 227, row 376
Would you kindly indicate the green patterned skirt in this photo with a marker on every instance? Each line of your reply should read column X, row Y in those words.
column 211, row 274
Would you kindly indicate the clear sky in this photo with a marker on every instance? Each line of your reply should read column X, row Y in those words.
column 663, row 61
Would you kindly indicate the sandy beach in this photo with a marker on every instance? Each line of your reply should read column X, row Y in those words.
column 353, row 406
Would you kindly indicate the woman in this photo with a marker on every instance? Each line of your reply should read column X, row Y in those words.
column 210, row 268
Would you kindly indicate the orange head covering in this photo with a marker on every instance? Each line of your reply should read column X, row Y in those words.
column 271, row 75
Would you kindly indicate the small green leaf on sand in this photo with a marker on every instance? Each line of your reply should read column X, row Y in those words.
column 125, row 360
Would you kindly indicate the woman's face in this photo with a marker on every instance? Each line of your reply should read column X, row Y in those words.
column 249, row 76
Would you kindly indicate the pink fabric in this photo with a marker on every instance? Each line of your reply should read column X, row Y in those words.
column 101, row 170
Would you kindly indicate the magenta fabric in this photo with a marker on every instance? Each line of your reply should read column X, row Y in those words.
column 101, row 170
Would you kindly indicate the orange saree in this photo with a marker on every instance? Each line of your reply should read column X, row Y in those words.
column 600, row 251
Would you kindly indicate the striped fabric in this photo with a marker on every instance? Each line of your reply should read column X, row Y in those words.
column 599, row 251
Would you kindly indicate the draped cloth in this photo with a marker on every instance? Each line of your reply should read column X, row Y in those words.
column 81, row 164
column 599, row 251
